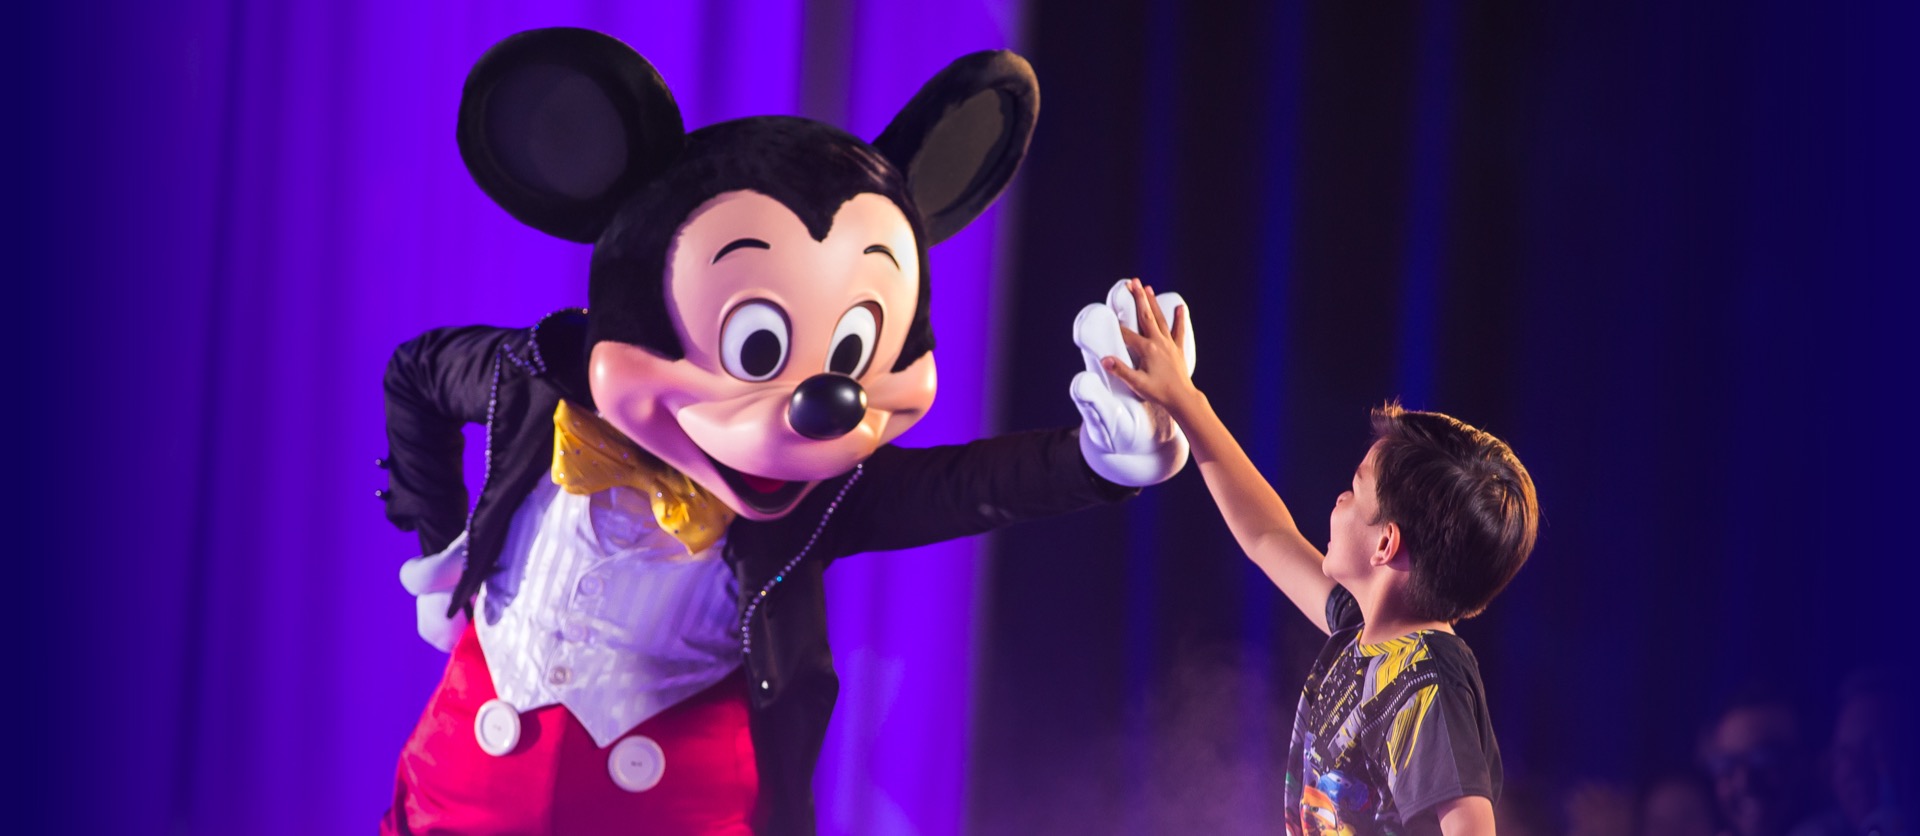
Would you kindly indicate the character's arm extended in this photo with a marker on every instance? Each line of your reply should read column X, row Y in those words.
column 910, row 497
column 435, row 384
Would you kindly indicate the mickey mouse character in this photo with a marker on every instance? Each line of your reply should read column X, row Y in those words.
column 634, row 605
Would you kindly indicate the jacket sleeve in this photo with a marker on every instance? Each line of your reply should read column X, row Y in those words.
column 909, row 497
column 436, row 383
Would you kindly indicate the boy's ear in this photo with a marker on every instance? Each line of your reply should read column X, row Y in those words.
column 1387, row 548
column 559, row 126
column 962, row 136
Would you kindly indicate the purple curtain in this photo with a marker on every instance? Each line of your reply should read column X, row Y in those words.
column 238, row 210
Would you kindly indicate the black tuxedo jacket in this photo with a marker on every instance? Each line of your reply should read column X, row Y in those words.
column 511, row 380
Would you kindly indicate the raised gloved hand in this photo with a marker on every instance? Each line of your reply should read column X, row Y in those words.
column 1124, row 439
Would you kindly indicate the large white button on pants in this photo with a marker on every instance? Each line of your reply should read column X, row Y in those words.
column 637, row 763
column 497, row 727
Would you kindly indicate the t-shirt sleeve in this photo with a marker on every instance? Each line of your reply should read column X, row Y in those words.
column 1440, row 747
column 1343, row 612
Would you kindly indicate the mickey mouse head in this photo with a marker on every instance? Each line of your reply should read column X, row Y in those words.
column 758, row 297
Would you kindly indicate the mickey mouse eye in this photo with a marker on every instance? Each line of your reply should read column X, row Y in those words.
column 853, row 340
column 753, row 342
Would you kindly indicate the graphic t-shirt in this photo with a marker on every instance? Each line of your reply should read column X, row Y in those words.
column 1385, row 732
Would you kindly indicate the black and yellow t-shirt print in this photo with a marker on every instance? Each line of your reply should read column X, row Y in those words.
column 1385, row 732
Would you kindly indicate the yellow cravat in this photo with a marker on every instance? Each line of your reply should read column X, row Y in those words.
column 590, row 456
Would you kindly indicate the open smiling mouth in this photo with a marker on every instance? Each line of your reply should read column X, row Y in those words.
column 758, row 492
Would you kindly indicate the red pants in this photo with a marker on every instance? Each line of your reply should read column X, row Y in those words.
column 556, row 781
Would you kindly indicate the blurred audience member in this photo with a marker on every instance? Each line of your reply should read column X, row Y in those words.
column 1679, row 804
column 1870, row 764
column 1762, row 769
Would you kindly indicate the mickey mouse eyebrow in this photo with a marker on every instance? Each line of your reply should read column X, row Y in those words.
column 743, row 243
column 882, row 249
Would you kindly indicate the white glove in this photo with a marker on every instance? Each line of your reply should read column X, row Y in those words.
column 432, row 578
column 1124, row 439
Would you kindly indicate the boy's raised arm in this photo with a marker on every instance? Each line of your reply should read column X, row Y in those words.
column 1254, row 513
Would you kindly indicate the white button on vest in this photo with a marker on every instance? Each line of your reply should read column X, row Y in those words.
column 637, row 763
column 497, row 727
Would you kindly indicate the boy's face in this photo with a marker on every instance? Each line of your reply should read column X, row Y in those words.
column 1353, row 536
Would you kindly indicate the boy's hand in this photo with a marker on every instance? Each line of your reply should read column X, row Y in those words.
column 1157, row 364
column 1123, row 438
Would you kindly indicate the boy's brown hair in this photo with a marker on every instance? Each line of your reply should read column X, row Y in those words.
column 1464, row 504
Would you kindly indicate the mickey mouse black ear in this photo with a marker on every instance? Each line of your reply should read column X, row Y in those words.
column 560, row 126
column 962, row 137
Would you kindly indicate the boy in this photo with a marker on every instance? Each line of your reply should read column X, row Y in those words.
column 1391, row 734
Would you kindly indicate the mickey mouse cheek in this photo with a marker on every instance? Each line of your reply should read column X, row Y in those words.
column 902, row 396
column 640, row 392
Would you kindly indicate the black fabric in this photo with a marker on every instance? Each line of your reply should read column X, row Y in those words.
column 902, row 498
column 1384, row 733
column 450, row 377
column 1343, row 612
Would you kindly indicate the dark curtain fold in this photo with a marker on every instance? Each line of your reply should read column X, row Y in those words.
column 1665, row 250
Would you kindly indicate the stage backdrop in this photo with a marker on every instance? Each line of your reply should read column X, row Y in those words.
column 234, row 212
column 1665, row 250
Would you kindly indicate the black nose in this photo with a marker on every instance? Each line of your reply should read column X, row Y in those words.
column 827, row 406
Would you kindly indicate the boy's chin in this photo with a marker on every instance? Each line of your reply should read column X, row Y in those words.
column 1328, row 567
column 1337, row 574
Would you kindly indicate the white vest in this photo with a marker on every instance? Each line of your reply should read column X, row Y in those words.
column 597, row 609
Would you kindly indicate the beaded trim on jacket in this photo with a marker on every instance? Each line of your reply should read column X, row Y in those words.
column 534, row 364
column 746, row 617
